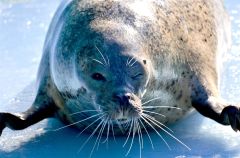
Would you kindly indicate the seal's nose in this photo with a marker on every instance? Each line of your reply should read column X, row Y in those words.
column 122, row 98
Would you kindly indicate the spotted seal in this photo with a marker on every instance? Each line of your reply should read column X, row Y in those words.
column 117, row 66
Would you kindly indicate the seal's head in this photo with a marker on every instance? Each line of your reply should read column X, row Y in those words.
column 115, row 80
column 115, row 74
column 103, row 68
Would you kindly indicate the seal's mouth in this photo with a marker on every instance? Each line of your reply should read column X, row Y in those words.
column 122, row 121
column 122, row 116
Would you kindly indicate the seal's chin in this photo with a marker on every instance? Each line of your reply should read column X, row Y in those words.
column 122, row 121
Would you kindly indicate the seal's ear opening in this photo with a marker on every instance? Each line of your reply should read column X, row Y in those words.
column 144, row 62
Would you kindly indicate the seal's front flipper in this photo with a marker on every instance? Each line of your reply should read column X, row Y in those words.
column 231, row 116
column 25, row 119
column 220, row 112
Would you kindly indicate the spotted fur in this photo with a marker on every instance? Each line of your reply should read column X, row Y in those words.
column 162, row 54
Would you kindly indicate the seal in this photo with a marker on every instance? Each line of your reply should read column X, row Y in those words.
column 124, row 67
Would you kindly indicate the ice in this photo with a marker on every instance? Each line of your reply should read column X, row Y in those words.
column 23, row 26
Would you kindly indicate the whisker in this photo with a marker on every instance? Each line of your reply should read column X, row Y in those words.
column 108, row 133
column 151, row 100
column 133, row 136
column 151, row 107
column 91, row 135
column 108, row 130
column 83, row 112
column 169, row 133
column 129, row 132
column 140, row 133
column 129, row 62
column 101, row 131
column 97, row 140
column 97, row 105
column 77, row 122
column 132, row 67
column 139, row 140
column 101, row 55
column 125, row 126
column 156, row 132
column 133, row 63
column 98, row 62
column 156, row 121
column 108, row 61
column 154, row 113
column 120, row 126
column 113, row 132
column 147, row 133
column 90, row 125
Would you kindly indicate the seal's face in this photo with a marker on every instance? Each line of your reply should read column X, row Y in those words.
column 115, row 79
column 104, row 67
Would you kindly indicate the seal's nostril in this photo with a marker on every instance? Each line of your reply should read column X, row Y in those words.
column 128, row 96
column 122, row 99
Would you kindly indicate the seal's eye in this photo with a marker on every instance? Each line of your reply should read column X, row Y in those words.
column 137, row 76
column 98, row 77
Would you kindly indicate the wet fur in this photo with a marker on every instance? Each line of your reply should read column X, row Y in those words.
column 178, row 44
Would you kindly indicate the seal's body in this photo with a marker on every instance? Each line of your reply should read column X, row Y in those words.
column 131, row 64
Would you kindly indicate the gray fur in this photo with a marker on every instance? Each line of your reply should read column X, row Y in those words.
column 132, row 64
column 178, row 39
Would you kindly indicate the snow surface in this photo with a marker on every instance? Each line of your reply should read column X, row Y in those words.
column 23, row 26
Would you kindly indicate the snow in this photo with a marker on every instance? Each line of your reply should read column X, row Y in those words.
column 23, row 26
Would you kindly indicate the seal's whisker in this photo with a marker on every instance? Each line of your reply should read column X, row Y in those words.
column 133, row 63
column 97, row 105
column 97, row 140
column 108, row 130
column 101, row 132
column 129, row 62
column 132, row 67
column 148, row 118
column 113, row 133
column 151, row 107
column 83, row 112
column 98, row 62
column 147, row 133
column 108, row 61
column 91, row 136
column 156, row 131
column 105, row 62
column 90, row 125
column 127, row 125
column 140, row 133
column 78, row 122
column 154, row 113
column 129, row 132
column 120, row 126
column 99, row 137
column 158, row 122
column 139, row 141
column 133, row 136
column 151, row 100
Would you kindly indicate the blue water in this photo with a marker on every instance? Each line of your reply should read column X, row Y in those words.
column 23, row 26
